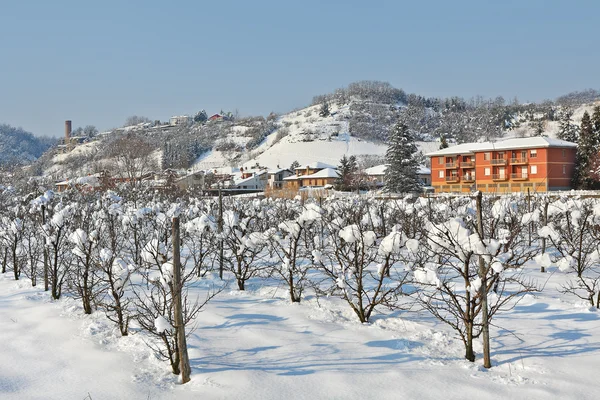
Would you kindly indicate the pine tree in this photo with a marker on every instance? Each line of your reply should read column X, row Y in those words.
column 596, row 124
column 401, row 173
column 347, row 170
column 539, row 127
column 443, row 142
column 200, row 117
column 324, row 112
column 586, row 151
column 568, row 131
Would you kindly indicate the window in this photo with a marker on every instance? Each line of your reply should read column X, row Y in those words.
column 441, row 174
column 533, row 153
column 440, row 160
column 501, row 156
column 564, row 153
column 564, row 169
column 486, row 156
column 487, row 171
column 533, row 169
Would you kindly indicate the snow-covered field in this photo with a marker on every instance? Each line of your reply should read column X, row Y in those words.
column 256, row 345
column 397, row 264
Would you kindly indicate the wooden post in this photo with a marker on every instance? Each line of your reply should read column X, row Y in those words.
column 220, row 223
column 179, row 325
column 487, row 363
column 530, row 226
column 46, row 283
column 545, row 216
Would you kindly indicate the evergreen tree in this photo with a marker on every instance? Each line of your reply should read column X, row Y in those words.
column 294, row 165
column 539, row 127
column 596, row 124
column 347, row 171
column 568, row 130
column 586, row 152
column 324, row 112
column 401, row 173
column 200, row 117
column 443, row 142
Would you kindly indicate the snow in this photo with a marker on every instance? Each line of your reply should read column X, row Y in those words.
column 351, row 233
column 508, row 144
column 255, row 345
column 161, row 324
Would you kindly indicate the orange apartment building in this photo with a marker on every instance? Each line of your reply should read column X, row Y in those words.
column 539, row 164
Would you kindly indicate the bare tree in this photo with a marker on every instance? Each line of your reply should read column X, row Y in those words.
column 133, row 157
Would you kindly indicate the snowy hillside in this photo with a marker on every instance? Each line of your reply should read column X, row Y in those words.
column 301, row 136
column 351, row 121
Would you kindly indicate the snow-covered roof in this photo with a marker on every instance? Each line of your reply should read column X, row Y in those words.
column 508, row 144
column 324, row 173
column 380, row 170
column 316, row 165
column 277, row 171
column 249, row 179
column 376, row 170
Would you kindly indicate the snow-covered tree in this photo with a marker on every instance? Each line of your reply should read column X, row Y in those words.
column 347, row 170
column 201, row 117
column 568, row 130
column 401, row 173
column 443, row 142
column 587, row 149
column 324, row 111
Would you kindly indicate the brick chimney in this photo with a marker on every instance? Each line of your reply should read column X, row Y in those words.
column 67, row 132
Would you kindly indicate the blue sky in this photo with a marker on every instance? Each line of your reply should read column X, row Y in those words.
column 100, row 62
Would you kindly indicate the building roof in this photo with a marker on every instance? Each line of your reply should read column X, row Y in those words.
column 508, row 144
column 250, row 178
column 316, row 165
column 380, row 170
column 324, row 173
column 280, row 170
column 376, row 170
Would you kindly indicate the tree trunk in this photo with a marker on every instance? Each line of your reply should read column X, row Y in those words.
column 46, row 283
column 220, row 228
column 180, row 327
column 469, row 354
column 483, row 290
column 542, row 268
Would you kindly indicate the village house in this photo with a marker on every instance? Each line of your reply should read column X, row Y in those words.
column 191, row 180
column 254, row 181
column 539, row 164
column 316, row 174
column 276, row 178
column 180, row 120
column 376, row 175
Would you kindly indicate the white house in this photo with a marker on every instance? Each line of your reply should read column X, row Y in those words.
column 377, row 174
column 257, row 181
column 193, row 179
column 180, row 120
column 276, row 177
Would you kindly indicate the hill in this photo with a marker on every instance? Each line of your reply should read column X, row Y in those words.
column 350, row 121
column 18, row 146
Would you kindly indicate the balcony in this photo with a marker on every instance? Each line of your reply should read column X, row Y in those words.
column 499, row 177
column 518, row 177
column 452, row 179
column 519, row 160
column 452, row 165
column 468, row 178
column 467, row 164
column 498, row 161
